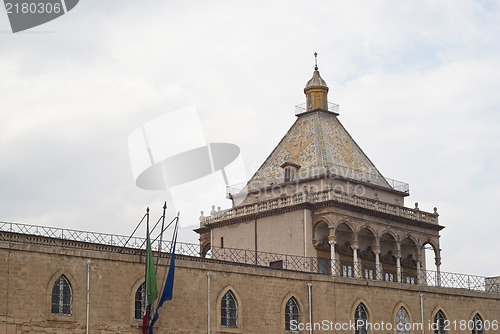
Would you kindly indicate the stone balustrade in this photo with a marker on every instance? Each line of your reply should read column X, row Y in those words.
column 321, row 197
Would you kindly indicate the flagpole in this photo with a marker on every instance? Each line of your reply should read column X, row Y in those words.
column 147, row 232
column 165, row 228
column 167, row 294
column 159, row 245
column 145, row 317
column 154, row 227
column 161, row 234
column 171, row 247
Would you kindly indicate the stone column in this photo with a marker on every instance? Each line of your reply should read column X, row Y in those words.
column 378, row 267
column 355, row 258
column 419, row 270
column 333, row 261
column 438, row 270
column 398, row 261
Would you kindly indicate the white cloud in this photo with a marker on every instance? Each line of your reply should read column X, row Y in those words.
column 417, row 84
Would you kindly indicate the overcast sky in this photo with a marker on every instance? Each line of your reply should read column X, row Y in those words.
column 417, row 83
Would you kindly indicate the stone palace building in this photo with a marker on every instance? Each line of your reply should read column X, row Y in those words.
column 317, row 241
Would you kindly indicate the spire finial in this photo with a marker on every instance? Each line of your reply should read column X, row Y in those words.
column 315, row 61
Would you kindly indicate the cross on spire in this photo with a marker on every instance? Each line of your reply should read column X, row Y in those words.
column 315, row 61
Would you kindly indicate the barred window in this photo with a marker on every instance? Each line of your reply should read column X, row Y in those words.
column 62, row 296
column 291, row 314
column 369, row 273
column 410, row 279
column 347, row 270
column 288, row 174
column 361, row 319
column 478, row 325
column 323, row 266
column 140, row 301
column 229, row 311
column 439, row 323
column 402, row 322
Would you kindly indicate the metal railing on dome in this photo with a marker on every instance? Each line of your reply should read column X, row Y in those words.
column 231, row 256
column 302, row 108
column 325, row 170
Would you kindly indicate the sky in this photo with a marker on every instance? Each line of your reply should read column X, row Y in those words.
column 417, row 83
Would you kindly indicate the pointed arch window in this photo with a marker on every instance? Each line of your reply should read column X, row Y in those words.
column 478, row 325
column 62, row 297
column 292, row 314
column 402, row 321
column 229, row 310
column 140, row 301
column 361, row 319
column 439, row 323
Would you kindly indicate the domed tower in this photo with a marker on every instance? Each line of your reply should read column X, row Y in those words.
column 316, row 91
column 318, row 195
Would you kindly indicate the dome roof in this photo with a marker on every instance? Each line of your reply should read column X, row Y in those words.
column 316, row 80
column 317, row 141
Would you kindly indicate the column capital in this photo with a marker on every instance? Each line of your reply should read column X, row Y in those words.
column 355, row 236
column 376, row 249
column 397, row 253
column 419, row 251
column 332, row 240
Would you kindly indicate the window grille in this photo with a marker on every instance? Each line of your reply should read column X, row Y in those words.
column 61, row 297
column 140, row 301
column 229, row 310
column 410, row 279
column 291, row 314
column 361, row 319
column 402, row 322
column 478, row 325
column 288, row 174
column 439, row 323
column 323, row 266
column 369, row 273
column 347, row 270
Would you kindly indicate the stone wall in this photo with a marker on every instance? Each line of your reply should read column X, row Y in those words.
column 29, row 269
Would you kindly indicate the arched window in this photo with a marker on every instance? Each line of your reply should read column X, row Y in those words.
column 439, row 323
column 62, row 297
column 478, row 325
column 140, row 301
column 291, row 314
column 361, row 319
column 229, row 310
column 402, row 321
